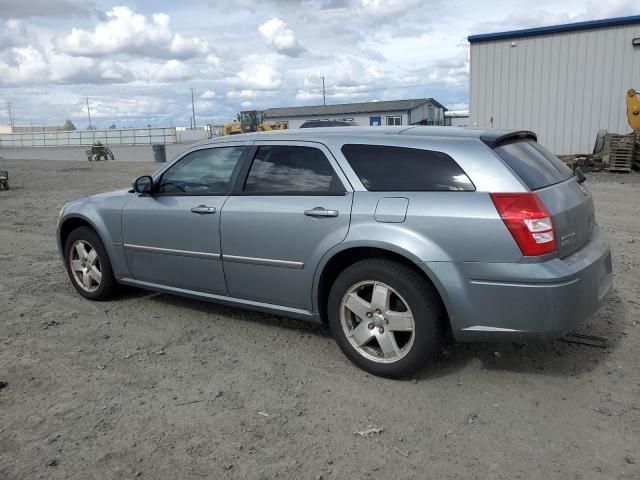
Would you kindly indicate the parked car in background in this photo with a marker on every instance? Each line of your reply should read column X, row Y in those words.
column 327, row 123
column 393, row 236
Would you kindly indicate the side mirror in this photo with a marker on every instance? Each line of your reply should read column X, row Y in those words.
column 143, row 185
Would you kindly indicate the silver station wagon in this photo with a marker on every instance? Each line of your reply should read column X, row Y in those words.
column 393, row 236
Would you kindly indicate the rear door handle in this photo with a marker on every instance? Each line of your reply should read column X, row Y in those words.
column 203, row 210
column 321, row 212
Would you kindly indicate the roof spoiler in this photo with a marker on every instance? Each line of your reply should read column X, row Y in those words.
column 496, row 138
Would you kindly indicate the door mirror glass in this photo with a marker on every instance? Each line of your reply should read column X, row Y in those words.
column 143, row 184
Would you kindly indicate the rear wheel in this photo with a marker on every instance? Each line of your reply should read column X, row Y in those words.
column 88, row 265
column 386, row 318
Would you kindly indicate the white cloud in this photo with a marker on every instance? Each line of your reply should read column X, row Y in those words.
column 251, row 51
column 28, row 64
column 173, row 70
column 124, row 31
column 242, row 94
column 307, row 96
column 258, row 76
column 351, row 71
column 213, row 60
column 109, row 108
column 46, row 8
column 389, row 7
column 279, row 36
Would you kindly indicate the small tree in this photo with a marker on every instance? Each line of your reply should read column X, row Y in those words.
column 112, row 126
column 68, row 125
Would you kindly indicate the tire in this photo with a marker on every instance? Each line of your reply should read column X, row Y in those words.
column 82, row 268
column 410, row 299
column 600, row 139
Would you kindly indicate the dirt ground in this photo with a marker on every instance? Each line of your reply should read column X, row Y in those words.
column 154, row 386
column 122, row 153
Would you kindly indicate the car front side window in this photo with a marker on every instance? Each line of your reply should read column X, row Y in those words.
column 203, row 172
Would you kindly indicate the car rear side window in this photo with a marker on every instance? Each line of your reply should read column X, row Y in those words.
column 292, row 170
column 536, row 166
column 398, row 169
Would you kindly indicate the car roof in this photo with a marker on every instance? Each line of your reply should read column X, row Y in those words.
column 490, row 137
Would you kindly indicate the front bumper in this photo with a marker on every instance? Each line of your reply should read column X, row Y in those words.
column 524, row 301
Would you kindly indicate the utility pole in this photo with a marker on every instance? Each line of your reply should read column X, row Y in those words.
column 193, row 110
column 324, row 93
column 88, row 112
column 11, row 123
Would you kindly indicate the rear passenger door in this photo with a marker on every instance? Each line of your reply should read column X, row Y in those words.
column 292, row 203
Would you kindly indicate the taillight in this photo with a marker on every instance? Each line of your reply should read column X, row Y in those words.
column 528, row 221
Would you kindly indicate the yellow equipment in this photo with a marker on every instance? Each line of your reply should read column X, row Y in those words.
column 618, row 152
column 251, row 121
column 633, row 109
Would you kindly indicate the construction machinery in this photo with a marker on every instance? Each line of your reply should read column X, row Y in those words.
column 99, row 151
column 621, row 153
column 251, row 121
column 633, row 110
column 4, row 180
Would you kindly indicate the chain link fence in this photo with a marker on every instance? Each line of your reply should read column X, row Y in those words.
column 77, row 138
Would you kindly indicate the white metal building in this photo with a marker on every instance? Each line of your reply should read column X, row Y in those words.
column 419, row 111
column 564, row 82
column 456, row 118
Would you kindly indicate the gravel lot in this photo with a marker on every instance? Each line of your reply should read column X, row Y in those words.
column 153, row 386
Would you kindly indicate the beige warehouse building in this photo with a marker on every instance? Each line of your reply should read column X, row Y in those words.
column 564, row 82
column 417, row 111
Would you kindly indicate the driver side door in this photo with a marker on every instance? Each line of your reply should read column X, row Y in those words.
column 172, row 236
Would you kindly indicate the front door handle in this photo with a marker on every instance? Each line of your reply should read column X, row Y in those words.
column 321, row 212
column 203, row 210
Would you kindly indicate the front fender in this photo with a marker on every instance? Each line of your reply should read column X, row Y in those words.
column 104, row 214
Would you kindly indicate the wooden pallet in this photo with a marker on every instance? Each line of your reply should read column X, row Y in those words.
column 621, row 156
column 636, row 153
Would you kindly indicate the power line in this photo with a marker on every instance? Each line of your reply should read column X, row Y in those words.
column 11, row 124
column 324, row 93
column 193, row 110
column 88, row 112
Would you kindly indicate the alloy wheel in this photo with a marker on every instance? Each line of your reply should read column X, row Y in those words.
column 85, row 265
column 377, row 321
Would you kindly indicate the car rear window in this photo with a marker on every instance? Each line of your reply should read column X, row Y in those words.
column 536, row 166
column 399, row 169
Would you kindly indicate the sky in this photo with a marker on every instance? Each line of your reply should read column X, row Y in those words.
column 137, row 61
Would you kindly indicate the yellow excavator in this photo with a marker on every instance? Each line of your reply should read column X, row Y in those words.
column 251, row 121
column 621, row 152
column 633, row 110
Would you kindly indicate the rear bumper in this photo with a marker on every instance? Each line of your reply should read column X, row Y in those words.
column 523, row 301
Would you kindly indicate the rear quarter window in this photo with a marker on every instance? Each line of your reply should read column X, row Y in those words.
column 536, row 166
column 384, row 168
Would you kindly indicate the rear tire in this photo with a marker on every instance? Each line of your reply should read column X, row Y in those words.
column 399, row 323
column 88, row 265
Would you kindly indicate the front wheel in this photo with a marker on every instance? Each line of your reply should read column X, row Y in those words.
column 88, row 265
column 386, row 318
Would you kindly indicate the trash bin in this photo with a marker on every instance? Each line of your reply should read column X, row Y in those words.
column 159, row 153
